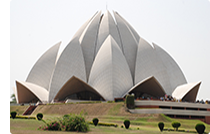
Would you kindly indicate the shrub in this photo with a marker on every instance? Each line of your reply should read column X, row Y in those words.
column 39, row 116
column 13, row 114
column 200, row 128
column 74, row 123
column 161, row 126
column 137, row 128
column 110, row 101
column 95, row 121
column 129, row 100
column 127, row 124
column 54, row 125
column 176, row 125
column 66, row 116
column 67, row 123
column 121, row 126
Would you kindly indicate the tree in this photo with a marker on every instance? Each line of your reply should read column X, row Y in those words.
column 176, row 125
column 13, row 98
column 129, row 100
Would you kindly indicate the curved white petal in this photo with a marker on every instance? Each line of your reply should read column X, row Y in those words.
column 88, row 42
column 129, row 43
column 176, row 77
column 41, row 72
column 15, row 92
column 135, row 34
column 187, row 92
column 71, row 63
column 107, row 27
column 82, row 28
column 27, row 91
column 149, row 64
column 110, row 74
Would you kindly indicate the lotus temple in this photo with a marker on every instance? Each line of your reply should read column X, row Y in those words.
column 105, row 60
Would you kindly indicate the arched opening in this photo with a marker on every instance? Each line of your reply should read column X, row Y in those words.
column 25, row 95
column 84, row 95
column 76, row 89
column 148, row 88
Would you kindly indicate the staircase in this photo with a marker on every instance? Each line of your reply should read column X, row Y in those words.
column 30, row 110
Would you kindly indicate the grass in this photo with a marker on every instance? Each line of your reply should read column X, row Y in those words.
column 21, row 126
column 145, row 126
column 105, row 112
column 18, row 109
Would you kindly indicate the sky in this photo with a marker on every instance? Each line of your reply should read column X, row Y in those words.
column 181, row 27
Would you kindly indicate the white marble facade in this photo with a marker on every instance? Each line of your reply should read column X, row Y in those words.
column 108, row 55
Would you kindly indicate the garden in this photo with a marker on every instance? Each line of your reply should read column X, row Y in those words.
column 104, row 124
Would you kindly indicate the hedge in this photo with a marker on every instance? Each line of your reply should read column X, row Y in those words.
column 104, row 124
column 23, row 117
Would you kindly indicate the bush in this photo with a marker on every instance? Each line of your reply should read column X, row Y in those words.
column 122, row 126
column 74, row 123
column 129, row 100
column 39, row 116
column 176, row 125
column 95, row 121
column 200, row 128
column 13, row 114
column 127, row 124
column 67, row 123
column 54, row 126
column 161, row 126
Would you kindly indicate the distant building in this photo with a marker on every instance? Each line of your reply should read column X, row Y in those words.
column 174, row 109
column 105, row 60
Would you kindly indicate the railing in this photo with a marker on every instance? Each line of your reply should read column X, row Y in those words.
column 30, row 110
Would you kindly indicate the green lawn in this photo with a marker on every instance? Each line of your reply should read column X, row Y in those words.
column 112, row 113
column 24, row 126
column 21, row 126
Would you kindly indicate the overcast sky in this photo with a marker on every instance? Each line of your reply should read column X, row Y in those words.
column 181, row 27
